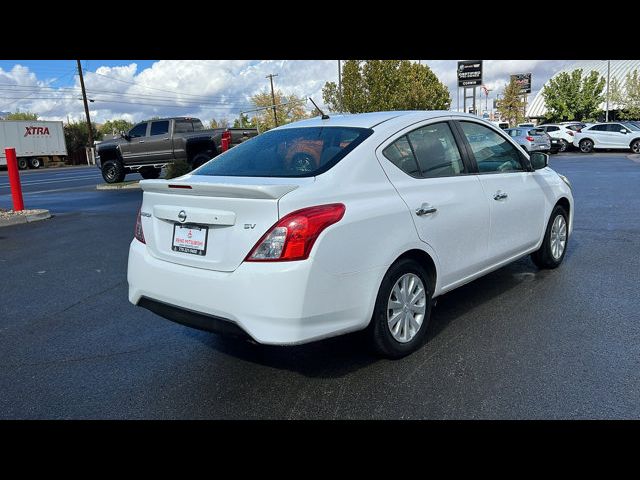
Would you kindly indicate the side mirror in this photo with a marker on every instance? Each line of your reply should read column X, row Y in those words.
column 623, row 131
column 539, row 160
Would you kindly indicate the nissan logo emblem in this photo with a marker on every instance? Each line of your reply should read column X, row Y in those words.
column 182, row 216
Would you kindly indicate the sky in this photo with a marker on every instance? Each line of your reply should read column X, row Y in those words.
column 207, row 89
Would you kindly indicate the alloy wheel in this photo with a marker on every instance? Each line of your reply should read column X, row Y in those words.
column 558, row 236
column 406, row 307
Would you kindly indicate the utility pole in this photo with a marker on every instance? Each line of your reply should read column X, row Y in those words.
column 86, row 105
column 608, row 73
column 273, row 97
column 340, row 83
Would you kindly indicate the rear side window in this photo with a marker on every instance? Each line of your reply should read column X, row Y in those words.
column 553, row 129
column 290, row 152
column 401, row 155
column 436, row 151
column 492, row 152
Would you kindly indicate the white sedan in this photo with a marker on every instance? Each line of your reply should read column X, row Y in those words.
column 328, row 226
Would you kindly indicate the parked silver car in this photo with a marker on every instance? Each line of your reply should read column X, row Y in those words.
column 531, row 140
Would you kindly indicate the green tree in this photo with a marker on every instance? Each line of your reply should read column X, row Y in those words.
column 22, row 116
column 626, row 99
column 570, row 96
column 511, row 106
column 222, row 123
column 111, row 127
column 289, row 108
column 379, row 85
column 76, row 135
column 246, row 122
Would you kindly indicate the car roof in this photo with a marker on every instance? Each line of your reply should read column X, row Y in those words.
column 372, row 119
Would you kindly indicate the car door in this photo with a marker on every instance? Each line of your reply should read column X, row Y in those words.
column 618, row 135
column 159, row 145
column 515, row 196
column 132, row 150
column 446, row 200
column 598, row 133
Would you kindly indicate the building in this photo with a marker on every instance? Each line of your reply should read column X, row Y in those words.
column 619, row 70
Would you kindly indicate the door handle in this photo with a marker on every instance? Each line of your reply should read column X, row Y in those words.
column 500, row 195
column 140, row 141
column 425, row 209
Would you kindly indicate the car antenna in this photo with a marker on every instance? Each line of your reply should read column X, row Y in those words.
column 324, row 115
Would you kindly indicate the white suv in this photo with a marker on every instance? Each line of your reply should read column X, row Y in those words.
column 327, row 226
column 615, row 135
column 565, row 134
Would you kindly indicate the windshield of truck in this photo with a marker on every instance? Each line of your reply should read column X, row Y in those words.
column 290, row 152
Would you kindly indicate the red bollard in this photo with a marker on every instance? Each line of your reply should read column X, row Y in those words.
column 225, row 140
column 14, row 179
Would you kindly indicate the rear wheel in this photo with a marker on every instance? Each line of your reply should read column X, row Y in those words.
column 113, row 171
column 199, row 160
column 402, row 310
column 35, row 162
column 635, row 146
column 150, row 173
column 554, row 245
column 586, row 145
column 564, row 145
column 23, row 164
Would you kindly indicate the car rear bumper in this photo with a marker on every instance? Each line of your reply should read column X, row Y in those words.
column 276, row 303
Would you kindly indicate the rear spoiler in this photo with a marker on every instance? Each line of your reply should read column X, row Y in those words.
column 226, row 190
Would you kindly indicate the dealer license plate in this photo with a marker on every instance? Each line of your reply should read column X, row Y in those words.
column 189, row 238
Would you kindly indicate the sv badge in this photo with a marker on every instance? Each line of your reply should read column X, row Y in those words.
column 249, row 226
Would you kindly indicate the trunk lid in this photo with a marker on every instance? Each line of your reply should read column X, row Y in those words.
column 234, row 211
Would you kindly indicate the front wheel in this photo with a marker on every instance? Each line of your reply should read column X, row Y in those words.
column 35, row 162
column 199, row 160
column 554, row 246
column 402, row 310
column 635, row 146
column 113, row 171
column 23, row 164
column 586, row 146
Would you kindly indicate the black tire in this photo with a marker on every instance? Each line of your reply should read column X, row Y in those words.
column 199, row 160
column 150, row 173
column 564, row 145
column 543, row 257
column 35, row 162
column 113, row 171
column 635, row 146
column 380, row 334
column 586, row 145
column 23, row 164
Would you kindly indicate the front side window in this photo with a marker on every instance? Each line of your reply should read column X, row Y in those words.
column 160, row 128
column 290, row 152
column 553, row 129
column 436, row 150
column 493, row 153
column 139, row 130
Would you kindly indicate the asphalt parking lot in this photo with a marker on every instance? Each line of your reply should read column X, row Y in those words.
column 516, row 344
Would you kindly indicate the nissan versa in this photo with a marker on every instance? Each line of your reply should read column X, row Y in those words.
column 332, row 225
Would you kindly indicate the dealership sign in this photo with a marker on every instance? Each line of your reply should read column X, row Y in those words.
column 524, row 81
column 469, row 73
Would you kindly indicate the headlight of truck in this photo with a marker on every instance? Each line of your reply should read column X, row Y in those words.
column 566, row 180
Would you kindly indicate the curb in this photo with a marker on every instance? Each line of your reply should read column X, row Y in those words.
column 118, row 186
column 20, row 219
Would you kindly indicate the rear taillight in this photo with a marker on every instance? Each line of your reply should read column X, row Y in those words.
column 225, row 140
column 570, row 132
column 138, row 233
column 530, row 139
column 292, row 237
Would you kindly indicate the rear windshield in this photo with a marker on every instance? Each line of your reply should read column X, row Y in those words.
column 290, row 152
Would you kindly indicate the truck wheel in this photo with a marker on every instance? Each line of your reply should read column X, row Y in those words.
column 22, row 164
column 200, row 159
column 35, row 162
column 113, row 171
column 150, row 172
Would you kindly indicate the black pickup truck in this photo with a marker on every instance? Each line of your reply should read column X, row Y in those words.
column 150, row 145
